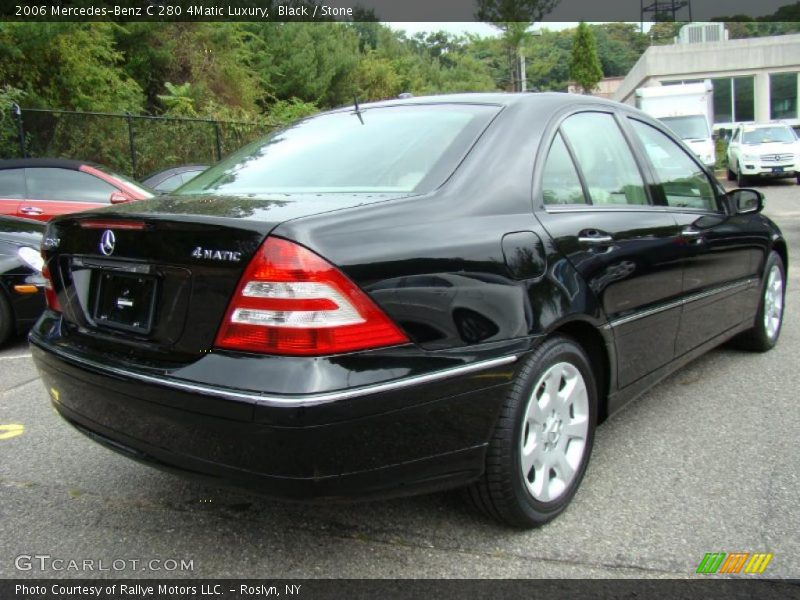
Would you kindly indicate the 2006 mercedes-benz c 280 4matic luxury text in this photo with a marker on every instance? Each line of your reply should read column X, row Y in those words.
column 406, row 296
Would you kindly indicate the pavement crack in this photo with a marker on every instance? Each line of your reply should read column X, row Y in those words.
column 19, row 385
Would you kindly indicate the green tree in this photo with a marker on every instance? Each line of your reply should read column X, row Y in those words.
column 310, row 61
column 664, row 32
column 68, row 66
column 584, row 66
column 549, row 64
column 514, row 18
column 619, row 46
column 376, row 79
column 180, row 100
column 283, row 112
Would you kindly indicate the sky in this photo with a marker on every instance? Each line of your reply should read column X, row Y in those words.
column 482, row 29
column 567, row 10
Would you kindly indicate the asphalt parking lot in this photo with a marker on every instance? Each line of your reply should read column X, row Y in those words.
column 707, row 461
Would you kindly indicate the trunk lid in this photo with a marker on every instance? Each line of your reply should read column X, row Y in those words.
column 152, row 279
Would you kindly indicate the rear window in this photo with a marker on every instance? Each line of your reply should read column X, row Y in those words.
column 388, row 149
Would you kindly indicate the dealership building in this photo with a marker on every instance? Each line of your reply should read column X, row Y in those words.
column 755, row 79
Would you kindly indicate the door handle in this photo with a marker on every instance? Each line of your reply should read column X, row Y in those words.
column 31, row 210
column 592, row 236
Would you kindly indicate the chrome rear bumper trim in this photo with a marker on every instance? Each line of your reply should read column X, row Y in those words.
column 271, row 400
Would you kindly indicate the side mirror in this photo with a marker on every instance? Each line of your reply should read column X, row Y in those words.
column 745, row 201
column 119, row 198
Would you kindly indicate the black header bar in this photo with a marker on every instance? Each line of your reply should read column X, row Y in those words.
column 397, row 10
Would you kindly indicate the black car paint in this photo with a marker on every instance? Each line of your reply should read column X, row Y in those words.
column 291, row 425
column 16, row 233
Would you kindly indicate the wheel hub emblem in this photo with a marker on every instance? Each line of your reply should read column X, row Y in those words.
column 107, row 242
column 552, row 430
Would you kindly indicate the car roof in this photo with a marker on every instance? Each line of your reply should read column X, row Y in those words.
column 492, row 98
column 58, row 163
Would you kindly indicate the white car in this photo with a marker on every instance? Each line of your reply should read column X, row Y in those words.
column 769, row 150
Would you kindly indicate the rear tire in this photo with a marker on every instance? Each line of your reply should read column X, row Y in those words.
column 542, row 441
column 769, row 318
column 6, row 319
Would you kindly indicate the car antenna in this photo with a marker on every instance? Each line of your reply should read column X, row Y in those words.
column 358, row 110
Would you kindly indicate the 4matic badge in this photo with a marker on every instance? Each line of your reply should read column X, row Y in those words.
column 211, row 254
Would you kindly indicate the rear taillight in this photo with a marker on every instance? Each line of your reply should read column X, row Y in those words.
column 292, row 301
column 49, row 293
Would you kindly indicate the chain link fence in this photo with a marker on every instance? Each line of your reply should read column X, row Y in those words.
column 132, row 144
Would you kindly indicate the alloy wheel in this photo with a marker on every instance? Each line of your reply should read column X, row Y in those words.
column 773, row 302
column 555, row 432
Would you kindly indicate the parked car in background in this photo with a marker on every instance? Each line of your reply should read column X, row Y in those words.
column 168, row 180
column 763, row 151
column 41, row 188
column 407, row 296
column 22, row 285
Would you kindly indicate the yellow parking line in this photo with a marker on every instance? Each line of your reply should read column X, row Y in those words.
column 11, row 430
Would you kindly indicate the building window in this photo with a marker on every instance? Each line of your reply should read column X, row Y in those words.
column 744, row 106
column 783, row 95
column 723, row 100
column 734, row 99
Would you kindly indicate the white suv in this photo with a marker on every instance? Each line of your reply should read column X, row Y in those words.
column 770, row 150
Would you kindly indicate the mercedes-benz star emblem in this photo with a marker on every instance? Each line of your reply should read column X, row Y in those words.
column 107, row 241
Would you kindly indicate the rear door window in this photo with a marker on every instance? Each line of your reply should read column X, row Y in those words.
column 560, row 181
column 681, row 178
column 605, row 159
column 66, row 184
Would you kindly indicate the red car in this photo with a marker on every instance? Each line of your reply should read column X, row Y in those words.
column 41, row 188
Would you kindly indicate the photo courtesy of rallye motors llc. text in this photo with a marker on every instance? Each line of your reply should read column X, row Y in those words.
column 139, row 590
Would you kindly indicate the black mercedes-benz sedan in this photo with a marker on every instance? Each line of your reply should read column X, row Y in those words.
column 21, row 282
column 406, row 296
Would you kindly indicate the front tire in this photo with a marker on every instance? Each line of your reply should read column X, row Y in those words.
column 769, row 319
column 6, row 319
column 543, row 438
column 741, row 180
column 731, row 175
